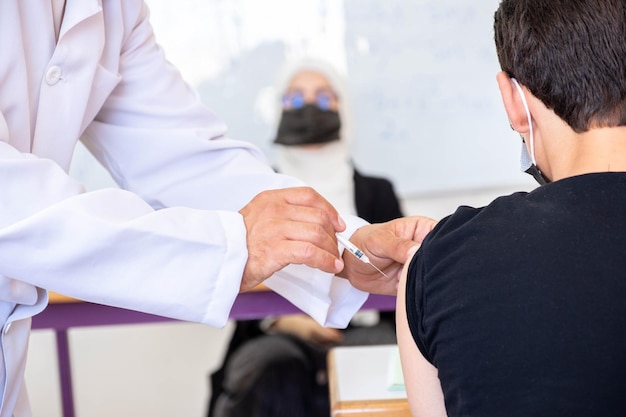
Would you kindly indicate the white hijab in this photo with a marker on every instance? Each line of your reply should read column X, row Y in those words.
column 326, row 168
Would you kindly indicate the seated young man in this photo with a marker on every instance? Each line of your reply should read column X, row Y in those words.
column 519, row 308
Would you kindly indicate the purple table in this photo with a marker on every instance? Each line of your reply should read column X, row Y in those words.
column 63, row 316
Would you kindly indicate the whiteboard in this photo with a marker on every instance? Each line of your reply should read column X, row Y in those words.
column 422, row 77
column 426, row 111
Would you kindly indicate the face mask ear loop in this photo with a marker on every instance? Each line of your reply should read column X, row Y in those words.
column 530, row 123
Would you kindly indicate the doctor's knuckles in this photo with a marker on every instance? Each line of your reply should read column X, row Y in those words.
column 289, row 226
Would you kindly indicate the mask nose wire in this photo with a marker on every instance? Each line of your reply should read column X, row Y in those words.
column 530, row 123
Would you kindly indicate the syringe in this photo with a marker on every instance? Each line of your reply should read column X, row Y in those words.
column 357, row 252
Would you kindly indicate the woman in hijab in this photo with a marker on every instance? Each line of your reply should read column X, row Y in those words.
column 277, row 366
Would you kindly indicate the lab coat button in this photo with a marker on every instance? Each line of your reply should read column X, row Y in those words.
column 53, row 75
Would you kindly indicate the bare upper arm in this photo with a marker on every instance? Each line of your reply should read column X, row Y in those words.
column 420, row 376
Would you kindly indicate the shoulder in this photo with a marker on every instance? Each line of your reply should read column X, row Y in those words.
column 124, row 9
column 125, row 16
column 375, row 198
column 467, row 220
column 372, row 187
column 371, row 181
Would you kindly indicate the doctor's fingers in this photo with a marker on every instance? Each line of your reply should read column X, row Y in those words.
column 268, row 222
column 394, row 239
column 267, row 257
column 296, row 242
column 298, row 204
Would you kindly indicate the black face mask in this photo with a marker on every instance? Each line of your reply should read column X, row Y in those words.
column 308, row 125
column 532, row 169
column 537, row 174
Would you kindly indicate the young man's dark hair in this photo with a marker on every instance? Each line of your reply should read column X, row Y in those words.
column 570, row 54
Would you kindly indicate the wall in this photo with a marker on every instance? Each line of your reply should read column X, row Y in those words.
column 154, row 370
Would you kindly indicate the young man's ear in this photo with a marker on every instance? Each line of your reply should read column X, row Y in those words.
column 512, row 103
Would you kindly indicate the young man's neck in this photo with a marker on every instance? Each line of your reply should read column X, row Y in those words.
column 597, row 150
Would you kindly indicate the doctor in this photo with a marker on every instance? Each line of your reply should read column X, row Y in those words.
column 197, row 218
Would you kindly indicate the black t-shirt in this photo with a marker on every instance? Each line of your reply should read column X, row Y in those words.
column 521, row 305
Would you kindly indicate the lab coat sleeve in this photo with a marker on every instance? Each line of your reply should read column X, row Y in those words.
column 110, row 247
column 171, row 241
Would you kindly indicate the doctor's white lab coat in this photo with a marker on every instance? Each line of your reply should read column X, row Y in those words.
column 151, row 245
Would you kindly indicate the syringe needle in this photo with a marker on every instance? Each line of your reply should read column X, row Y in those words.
column 376, row 268
column 358, row 253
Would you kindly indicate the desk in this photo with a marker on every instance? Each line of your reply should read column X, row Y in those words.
column 357, row 380
column 64, row 313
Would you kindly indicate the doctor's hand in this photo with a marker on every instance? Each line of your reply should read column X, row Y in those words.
column 388, row 246
column 289, row 226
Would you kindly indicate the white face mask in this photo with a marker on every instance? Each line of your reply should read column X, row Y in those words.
column 528, row 163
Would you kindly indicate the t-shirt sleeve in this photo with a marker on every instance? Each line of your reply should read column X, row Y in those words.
column 415, row 302
column 423, row 294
